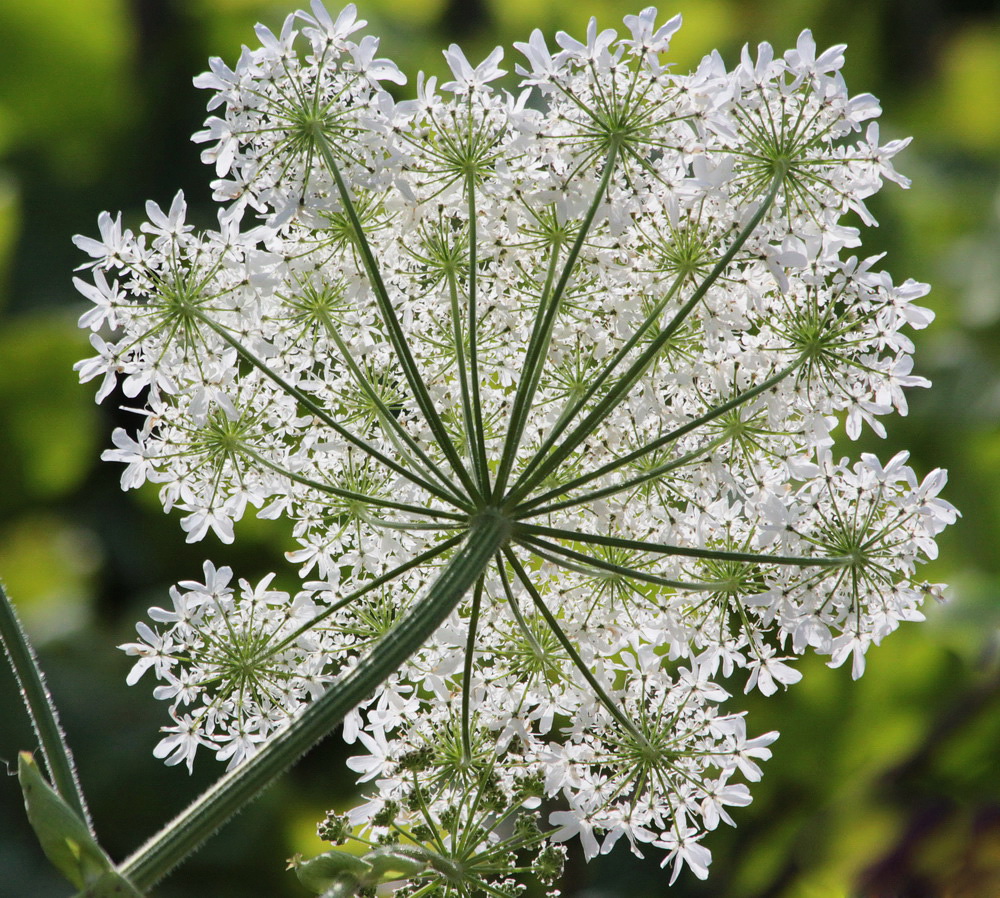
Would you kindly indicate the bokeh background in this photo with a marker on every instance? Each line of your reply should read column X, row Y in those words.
column 884, row 788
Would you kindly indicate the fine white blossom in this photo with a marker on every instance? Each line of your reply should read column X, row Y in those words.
column 615, row 311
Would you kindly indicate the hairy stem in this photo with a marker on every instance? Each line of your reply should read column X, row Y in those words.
column 186, row 832
column 41, row 710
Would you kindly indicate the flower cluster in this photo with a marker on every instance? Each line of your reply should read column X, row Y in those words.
column 580, row 349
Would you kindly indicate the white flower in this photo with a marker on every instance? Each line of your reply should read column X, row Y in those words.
column 751, row 750
column 169, row 226
column 683, row 849
column 182, row 742
column 572, row 824
column 376, row 70
column 116, row 247
column 596, row 49
column 613, row 324
column 377, row 761
column 327, row 28
column 853, row 646
column 107, row 363
column 543, row 66
column 767, row 673
column 713, row 805
column 139, row 468
column 645, row 39
column 469, row 79
column 804, row 61
column 153, row 652
column 105, row 297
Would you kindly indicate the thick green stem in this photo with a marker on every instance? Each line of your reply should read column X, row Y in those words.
column 41, row 710
column 387, row 577
column 186, row 832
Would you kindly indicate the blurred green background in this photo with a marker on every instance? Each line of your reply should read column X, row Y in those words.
column 884, row 788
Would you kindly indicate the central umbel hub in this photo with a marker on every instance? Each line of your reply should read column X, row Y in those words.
column 495, row 519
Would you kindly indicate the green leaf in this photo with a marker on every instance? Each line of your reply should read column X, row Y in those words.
column 322, row 871
column 395, row 863
column 66, row 840
column 64, row 837
column 110, row 885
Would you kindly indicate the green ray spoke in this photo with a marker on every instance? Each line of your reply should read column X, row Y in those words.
column 386, row 417
column 328, row 419
column 521, row 530
column 654, row 446
column 382, row 580
column 394, row 329
column 478, row 428
column 541, row 335
column 620, row 390
column 574, row 407
column 463, row 375
column 586, row 564
column 609, row 703
column 363, row 498
column 470, row 654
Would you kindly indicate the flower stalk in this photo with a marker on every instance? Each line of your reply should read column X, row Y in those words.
column 548, row 391
column 227, row 797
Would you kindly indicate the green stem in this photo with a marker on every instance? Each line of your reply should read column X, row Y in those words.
column 541, row 335
column 652, row 474
column 393, row 328
column 307, row 403
column 387, row 577
column 402, row 526
column 624, row 384
column 41, row 710
column 232, row 792
column 529, row 530
column 518, row 617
